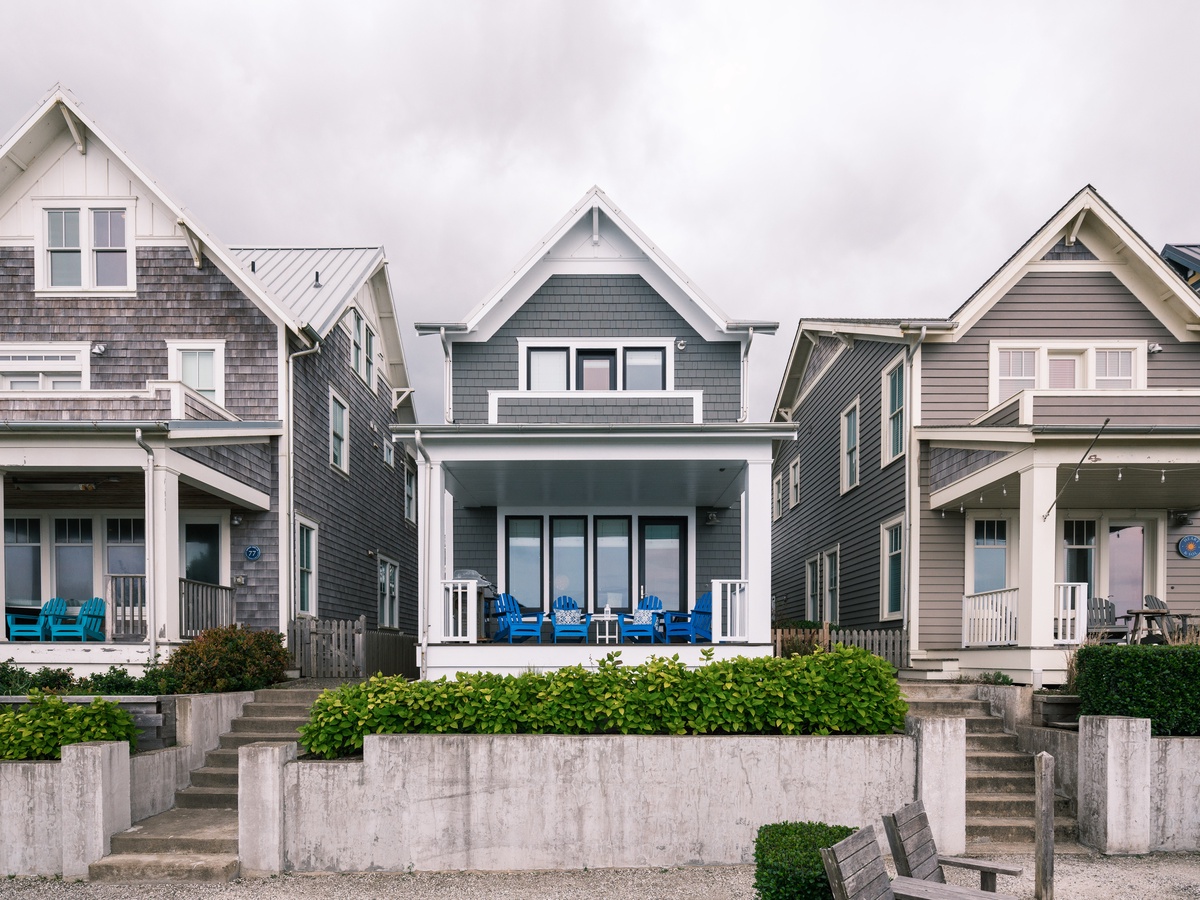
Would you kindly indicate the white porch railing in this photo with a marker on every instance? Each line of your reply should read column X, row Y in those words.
column 1069, row 599
column 460, row 609
column 990, row 619
column 730, row 611
column 126, row 606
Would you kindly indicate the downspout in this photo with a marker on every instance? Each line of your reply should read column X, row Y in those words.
column 151, row 553
column 422, row 545
column 448, row 393
column 745, row 413
column 908, row 406
column 289, row 496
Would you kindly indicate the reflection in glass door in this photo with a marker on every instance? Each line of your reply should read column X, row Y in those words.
column 662, row 559
column 73, row 560
column 1127, row 566
column 202, row 552
column 613, row 562
column 568, row 558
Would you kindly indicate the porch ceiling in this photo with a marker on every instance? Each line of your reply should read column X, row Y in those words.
column 601, row 482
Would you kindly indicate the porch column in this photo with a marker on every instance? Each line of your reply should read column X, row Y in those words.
column 756, row 549
column 1036, row 551
column 162, row 574
column 432, row 562
column 3, row 581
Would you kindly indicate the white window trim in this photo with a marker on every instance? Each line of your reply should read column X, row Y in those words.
column 379, row 622
column 175, row 364
column 886, row 457
column 368, row 372
column 1012, row 546
column 832, row 610
column 573, row 345
column 1085, row 350
column 843, row 447
column 794, row 484
column 85, row 205
column 810, row 612
column 344, row 467
column 82, row 352
column 389, row 453
column 1155, row 551
column 410, row 469
column 302, row 522
column 777, row 497
column 884, row 553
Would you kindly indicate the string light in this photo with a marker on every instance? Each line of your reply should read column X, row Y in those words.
column 1004, row 490
column 960, row 507
column 1163, row 479
column 1076, row 474
column 943, row 512
column 1119, row 474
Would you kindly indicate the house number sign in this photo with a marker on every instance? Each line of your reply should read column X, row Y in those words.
column 253, row 553
column 1189, row 546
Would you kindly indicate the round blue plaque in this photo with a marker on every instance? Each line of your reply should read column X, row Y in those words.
column 1189, row 546
column 253, row 553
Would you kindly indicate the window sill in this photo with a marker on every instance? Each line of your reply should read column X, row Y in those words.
column 888, row 462
column 124, row 293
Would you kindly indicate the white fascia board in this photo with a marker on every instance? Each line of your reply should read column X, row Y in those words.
column 977, row 437
column 200, row 433
column 853, row 329
column 389, row 324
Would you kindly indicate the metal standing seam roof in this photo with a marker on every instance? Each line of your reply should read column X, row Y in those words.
column 290, row 275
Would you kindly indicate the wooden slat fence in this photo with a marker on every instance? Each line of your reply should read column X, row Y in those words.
column 890, row 643
column 343, row 648
column 392, row 653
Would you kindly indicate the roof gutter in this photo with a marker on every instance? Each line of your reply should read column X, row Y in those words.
column 89, row 426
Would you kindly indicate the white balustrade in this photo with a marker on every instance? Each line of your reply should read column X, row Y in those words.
column 989, row 619
column 461, row 611
column 1069, row 599
column 730, row 611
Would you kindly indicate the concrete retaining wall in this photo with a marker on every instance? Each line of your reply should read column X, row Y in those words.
column 1174, row 792
column 1063, row 745
column 557, row 802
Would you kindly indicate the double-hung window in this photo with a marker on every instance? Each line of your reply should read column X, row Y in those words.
column 893, row 411
column 339, row 432
column 794, row 483
column 389, row 593
column 849, row 446
column 83, row 247
column 777, row 497
column 410, row 490
column 306, row 568
column 891, row 568
column 362, row 348
column 200, row 365
column 812, row 587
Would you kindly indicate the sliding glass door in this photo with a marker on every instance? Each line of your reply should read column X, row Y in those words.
column 662, row 559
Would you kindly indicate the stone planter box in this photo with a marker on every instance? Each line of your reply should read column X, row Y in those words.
column 1055, row 709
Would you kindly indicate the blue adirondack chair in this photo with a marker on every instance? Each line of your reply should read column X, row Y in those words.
column 37, row 627
column 570, row 623
column 513, row 624
column 695, row 625
column 643, row 623
column 88, row 625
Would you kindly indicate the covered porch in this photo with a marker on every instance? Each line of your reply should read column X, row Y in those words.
column 605, row 516
column 124, row 515
column 1051, row 525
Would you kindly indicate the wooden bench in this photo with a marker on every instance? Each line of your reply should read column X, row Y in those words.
column 856, row 872
column 916, row 856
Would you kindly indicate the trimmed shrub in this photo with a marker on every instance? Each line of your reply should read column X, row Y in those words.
column 39, row 729
column 787, row 859
column 845, row 691
column 1155, row 682
column 222, row 659
column 115, row 681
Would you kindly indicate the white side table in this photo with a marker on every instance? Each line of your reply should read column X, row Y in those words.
column 606, row 628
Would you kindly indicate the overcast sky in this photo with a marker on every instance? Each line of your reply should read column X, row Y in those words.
column 795, row 159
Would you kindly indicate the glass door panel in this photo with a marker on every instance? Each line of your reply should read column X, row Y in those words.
column 662, row 559
column 613, row 562
column 523, row 561
column 1127, row 566
column 202, row 552
column 568, row 558
column 73, row 560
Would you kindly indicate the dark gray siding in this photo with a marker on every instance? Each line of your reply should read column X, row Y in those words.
column 251, row 464
column 359, row 512
column 175, row 301
column 592, row 408
column 718, row 547
column 1083, row 306
column 617, row 306
column 475, row 541
column 1128, row 409
column 947, row 466
column 50, row 408
column 822, row 352
column 943, row 564
column 824, row 516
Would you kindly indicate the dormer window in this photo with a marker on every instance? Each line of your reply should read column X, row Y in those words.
column 592, row 366
column 84, row 248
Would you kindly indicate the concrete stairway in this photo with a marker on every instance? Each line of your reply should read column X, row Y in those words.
column 197, row 840
column 1000, row 798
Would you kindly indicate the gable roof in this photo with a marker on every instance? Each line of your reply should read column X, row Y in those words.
column 60, row 110
column 597, row 205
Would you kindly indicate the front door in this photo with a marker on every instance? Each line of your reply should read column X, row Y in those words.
column 202, row 552
column 662, row 559
column 1127, row 566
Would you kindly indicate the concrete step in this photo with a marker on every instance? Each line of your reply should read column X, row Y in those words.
column 221, row 758
column 233, row 739
column 181, row 831
column 305, row 696
column 274, row 709
column 999, row 761
column 269, row 725
column 985, row 725
column 999, row 783
column 1015, row 831
column 165, row 867
column 212, row 776
column 955, row 708
column 992, row 742
column 991, row 850
column 935, row 690
column 1005, row 806
column 207, row 798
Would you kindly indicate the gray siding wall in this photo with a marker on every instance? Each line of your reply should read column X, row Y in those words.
column 617, row 306
column 822, row 352
column 1183, row 575
column 718, row 547
column 943, row 567
column 1131, row 410
column 50, row 408
column 359, row 512
column 1084, row 306
column 824, row 516
column 593, row 408
column 475, row 541
column 946, row 466
column 175, row 301
column 251, row 464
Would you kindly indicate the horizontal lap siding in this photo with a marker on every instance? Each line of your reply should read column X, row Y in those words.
column 597, row 306
column 475, row 541
column 718, row 547
column 47, row 407
column 592, row 409
column 363, row 511
column 1183, row 574
column 824, row 516
column 823, row 351
column 942, row 570
column 947, row 465
column 1090, row 307
column 1131, row 410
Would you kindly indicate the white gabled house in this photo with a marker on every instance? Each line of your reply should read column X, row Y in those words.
column 595, row 444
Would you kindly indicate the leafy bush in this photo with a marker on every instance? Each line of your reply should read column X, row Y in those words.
column 114, row 681
column 845, row 691
column 787, row 859
column 38, row 729
column 1155, row 682
column 223, row 659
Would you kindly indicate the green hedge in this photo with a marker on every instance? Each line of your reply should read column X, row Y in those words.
column 1156, row 682
column 39, row 729
column 845, row 691
column 787, row 860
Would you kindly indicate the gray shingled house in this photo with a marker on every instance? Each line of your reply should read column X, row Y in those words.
column 195, row 434
column 987, row 479
column 595, row 444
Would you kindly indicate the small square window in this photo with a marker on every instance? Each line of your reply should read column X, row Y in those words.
column 389, row 453
column 200, row 365
column 645, row 369
column 548, row 369
column 596, row 370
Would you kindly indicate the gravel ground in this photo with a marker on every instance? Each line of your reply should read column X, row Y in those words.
column 1076, row 878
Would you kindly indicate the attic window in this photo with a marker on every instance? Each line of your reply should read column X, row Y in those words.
column 590, row 365
column 82, row 248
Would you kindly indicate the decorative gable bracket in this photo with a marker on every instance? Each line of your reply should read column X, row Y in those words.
column 195, row 245
column 76, row 129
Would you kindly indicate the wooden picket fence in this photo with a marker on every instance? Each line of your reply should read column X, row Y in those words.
column 343, row 648
column 890, row 643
